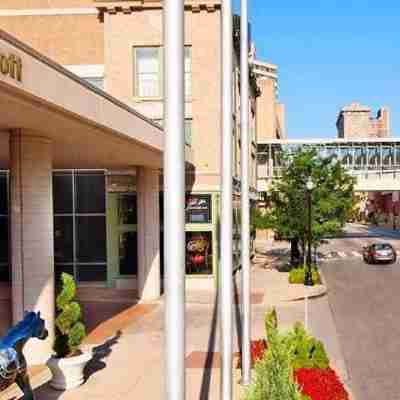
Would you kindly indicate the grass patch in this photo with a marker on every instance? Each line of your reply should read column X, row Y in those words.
column 297, row 275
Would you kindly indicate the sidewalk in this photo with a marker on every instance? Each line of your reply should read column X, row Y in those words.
column 130, row 363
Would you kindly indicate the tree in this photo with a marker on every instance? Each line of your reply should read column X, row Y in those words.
column 331, row 198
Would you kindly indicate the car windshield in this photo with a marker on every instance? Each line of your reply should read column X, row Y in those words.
column 383, row 246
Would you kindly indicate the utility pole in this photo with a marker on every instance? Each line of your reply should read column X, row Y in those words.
column 174, row 200
column 245, row 195
column 226, row 270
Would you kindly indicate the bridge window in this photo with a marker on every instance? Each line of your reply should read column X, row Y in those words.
column 387, row 157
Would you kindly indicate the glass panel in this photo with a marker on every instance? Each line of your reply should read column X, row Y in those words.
column 4, row 240
column 3, row 195
column 387, row 157
column 4, row 273
column 198, row 208
column 98, row 82
column 62, row 193
column 199, row 253
column 63, row 239
column 91, row 239
column 92, row 273
column 188, row 71
column 127, row 209
column 188, row 131
column 90, row 193
column 147, row 70
column 128, row 253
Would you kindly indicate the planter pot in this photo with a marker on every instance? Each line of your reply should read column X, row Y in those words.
column 68, row 372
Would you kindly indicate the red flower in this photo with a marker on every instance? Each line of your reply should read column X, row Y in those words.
column 320, row 384
column 257, row 348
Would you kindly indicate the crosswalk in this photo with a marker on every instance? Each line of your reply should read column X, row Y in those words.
column 339, row 255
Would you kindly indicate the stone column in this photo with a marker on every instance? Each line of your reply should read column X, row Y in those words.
column 148, row 234
column 31, row 216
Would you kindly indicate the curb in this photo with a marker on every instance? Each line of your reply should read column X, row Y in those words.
column 345, row 385
column 323, row 290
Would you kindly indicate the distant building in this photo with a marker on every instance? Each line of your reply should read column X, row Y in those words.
column 270, row 113
column 355, row 121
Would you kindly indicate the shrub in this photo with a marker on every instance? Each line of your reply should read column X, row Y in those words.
column 308, row 352
column 273, row 377
column 297, row 275
column 70, row 331
column 320, row 384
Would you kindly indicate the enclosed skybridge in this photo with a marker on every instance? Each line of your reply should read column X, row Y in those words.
column 374, row 162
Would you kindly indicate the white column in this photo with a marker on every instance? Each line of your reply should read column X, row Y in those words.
column 226, row 283
column 174, row 200
column 148, row 233
column 245, row 195
column 31, row 216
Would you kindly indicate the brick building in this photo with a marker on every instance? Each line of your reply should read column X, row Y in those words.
column 100, row 205
column 355, row 121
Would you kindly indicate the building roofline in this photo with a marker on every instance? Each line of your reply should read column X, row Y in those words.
column 330, row 141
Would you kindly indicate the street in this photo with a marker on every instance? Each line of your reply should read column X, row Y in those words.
column 365, row 303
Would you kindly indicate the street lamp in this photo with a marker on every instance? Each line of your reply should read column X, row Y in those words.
column 308, row 275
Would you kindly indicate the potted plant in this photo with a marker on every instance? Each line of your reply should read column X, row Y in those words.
column 68, row 362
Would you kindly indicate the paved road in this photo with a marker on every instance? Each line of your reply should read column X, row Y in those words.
column 365, row 301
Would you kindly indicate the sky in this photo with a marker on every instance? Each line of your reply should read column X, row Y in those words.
column 330, row 53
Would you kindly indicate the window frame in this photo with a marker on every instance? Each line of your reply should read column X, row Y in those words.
column 160, row 50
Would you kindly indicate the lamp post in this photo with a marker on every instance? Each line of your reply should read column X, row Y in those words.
column 308, row 275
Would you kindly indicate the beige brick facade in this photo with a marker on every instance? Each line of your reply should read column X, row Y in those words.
column 355, row 121
column 32, row 243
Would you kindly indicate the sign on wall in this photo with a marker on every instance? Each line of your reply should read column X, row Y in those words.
column 11, row 66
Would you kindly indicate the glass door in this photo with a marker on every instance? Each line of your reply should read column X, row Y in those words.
column 122, row 236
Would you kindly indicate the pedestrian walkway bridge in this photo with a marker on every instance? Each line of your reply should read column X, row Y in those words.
column 374, row 162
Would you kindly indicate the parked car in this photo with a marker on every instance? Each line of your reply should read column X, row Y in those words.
column 378, row 252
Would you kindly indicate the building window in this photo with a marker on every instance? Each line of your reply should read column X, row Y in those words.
column 4, row 243
column 80, row 224
column 199, row 253
column 188, row 71
column 96, row 81
column 187, row 127
column 198, row 208
column 147, row 71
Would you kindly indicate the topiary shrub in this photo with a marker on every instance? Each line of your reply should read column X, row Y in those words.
column 273, row 374
column 70, row 330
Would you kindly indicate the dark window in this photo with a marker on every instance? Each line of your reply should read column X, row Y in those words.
column 90, row 273
column 91, row 239
column 63, row 239
column 198, row 208
column 59, row 269
column 90, row 193
column 3, row 195
column 199, row 253
column 3, row 240
column 127, row 209
column 128, row 253
column 62, row 193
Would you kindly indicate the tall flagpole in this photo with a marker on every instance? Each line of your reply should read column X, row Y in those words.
column 245, row 198
column 174, row 200
column 226, row 279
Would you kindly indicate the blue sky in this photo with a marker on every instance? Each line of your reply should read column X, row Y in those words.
column 329, row 54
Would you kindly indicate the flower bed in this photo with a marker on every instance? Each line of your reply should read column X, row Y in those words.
column 320, row 384
column 292, row 366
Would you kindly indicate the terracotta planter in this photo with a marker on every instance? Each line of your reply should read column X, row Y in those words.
column 68, row 372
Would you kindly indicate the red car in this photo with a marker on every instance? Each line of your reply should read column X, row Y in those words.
column 378, row 252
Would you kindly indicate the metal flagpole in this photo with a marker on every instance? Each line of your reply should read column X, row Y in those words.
column 174, row 200
column 245, row 198
column 226, row 270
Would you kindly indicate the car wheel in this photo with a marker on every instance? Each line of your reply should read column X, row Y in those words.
column 394, row 259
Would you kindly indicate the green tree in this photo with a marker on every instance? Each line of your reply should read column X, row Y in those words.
column 332, row 197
